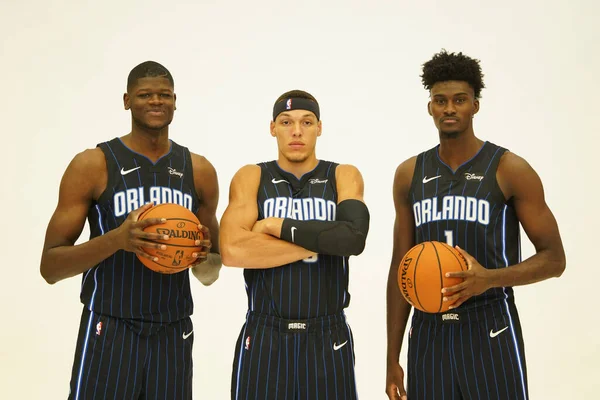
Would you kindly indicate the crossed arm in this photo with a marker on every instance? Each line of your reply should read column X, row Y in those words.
column 267, row 243
column 243, row 247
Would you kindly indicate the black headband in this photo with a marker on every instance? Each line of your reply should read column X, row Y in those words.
column 296, row 103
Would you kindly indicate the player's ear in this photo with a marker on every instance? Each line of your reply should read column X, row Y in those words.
column 429, row 108
column 319, row 128
column 174, row 101
column 126, row 101
column 272, row 128
column 475, row 106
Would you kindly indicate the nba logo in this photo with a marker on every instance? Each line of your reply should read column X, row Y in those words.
column 99, row 328
column 247, row 347
column 288, row 104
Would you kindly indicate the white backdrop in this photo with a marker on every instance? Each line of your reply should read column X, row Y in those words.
column 63, row 71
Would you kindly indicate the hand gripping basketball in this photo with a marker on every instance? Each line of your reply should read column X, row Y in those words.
column 205, row 245
column 184, row 239
column 476, row 280
column 425, row 270
column 133, row 238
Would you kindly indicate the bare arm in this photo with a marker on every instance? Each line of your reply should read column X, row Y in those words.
column 240, row 246
column 349, row 183
column 522, row 184
column 82, row 182
column 398, row 309
column 519, row 180
column 207, row 187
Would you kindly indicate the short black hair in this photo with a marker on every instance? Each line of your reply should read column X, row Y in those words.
column 148, row 69
column 445, row 66
column 301, row 94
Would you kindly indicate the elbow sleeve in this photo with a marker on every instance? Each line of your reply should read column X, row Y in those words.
column 344, row 237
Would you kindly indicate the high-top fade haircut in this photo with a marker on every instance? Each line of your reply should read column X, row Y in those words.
column 445, row 66
column 148, row 69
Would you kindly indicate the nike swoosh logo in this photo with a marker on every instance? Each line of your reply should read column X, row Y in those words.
column 123, row 172
column 426, row 179
column 278, row 180
column 337, row 347
column 494, row 334
column 185, row 336
column 293, row 229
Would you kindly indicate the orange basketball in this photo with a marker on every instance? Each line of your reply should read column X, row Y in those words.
column 182, row 229
column 421, row 275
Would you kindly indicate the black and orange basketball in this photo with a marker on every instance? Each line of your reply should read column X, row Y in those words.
column 421, row 275
column 182, row 229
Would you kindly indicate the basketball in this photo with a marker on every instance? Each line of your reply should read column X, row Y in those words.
column 182, row 228
column 421, row 275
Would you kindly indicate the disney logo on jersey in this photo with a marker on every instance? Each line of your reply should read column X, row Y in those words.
column 314, row 181
column 473, row 177
column 305, row 209
column 461, row 208
column 173, row 171
column 128, row 200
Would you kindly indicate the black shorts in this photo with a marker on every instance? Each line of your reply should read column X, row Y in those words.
column 287, row 359
column 476, row 354
column 126, row 359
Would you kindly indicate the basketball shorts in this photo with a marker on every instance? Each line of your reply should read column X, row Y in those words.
column 294, row 359
column 474, row 354
column 127, row 359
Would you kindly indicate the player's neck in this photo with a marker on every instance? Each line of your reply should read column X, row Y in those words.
column 297, row 168
column 152, row 144
column 456, row 151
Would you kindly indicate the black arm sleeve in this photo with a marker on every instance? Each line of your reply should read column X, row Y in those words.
column 345, row 236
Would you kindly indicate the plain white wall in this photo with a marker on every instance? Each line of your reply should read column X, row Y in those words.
column 63, row 71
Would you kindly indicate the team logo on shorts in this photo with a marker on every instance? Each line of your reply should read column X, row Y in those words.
column 288, row 104
column 99, row 328
column 247, row 347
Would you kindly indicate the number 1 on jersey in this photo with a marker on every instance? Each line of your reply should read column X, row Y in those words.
column 449, row 238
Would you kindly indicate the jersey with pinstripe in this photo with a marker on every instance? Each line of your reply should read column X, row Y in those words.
column 467, row 208
column 308, row 288
column 121, row 286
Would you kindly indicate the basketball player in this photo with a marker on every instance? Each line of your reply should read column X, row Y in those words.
column 471, row 194
column 292, row 224
column 135, row 339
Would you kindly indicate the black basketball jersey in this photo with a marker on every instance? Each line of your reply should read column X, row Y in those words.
column 467, row 208
column 312, row 287
column 121, row 286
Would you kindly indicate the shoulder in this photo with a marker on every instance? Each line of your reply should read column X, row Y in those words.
column 201, row 163
column 248, row 172
column 87, row 173
column 510, row 163
column 205, row 177
column 515, row 175
column 89, row 161
column 347, row 171
column 405, row 170
column 403, row 177
column 245, row 183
